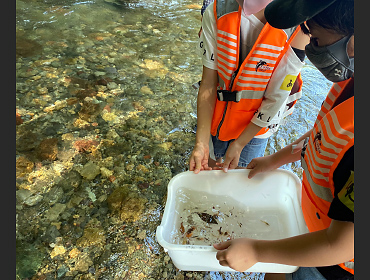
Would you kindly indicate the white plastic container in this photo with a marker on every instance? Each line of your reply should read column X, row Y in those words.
column 277, row 193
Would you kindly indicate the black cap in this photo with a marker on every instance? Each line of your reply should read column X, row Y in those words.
column 289, row 13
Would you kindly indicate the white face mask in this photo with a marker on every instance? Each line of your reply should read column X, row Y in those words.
column 252, row 6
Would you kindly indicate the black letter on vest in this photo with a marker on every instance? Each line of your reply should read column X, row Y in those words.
column 212, row 57
column 260, row 115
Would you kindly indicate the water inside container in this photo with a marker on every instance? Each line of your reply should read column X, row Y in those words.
column 203, row 218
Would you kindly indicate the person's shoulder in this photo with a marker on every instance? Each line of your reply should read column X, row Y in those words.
column 208, row 13
column 209, row 20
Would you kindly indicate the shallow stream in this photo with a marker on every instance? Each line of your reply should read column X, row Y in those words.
column 105, row 118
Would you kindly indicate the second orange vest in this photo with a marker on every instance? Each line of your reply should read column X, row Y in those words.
column 332, row 136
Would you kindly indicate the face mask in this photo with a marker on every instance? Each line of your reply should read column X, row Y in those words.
column 252, row 6
column 332, row 61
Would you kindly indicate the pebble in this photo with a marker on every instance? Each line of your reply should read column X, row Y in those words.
column 146, row 90
column 62, row 271
column 111, row 70
column 91, row 237
column 53, row 213
column 43, row 90
column 166, row 259
column 58, row 250
column 23, row 194
column 112, row 85
column 99, row 73
column 33, row 200
column 141, row 234
column 106, row 173
column 83, row 262
column 74, row 253
column 90, row 170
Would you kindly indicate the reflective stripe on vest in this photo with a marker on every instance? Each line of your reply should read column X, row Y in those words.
column 349, row 266
column 332, row 136
column 250, row 82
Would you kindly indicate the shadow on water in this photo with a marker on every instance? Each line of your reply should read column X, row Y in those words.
column 105, row 115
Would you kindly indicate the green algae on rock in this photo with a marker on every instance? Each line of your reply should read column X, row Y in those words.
column 127, row 205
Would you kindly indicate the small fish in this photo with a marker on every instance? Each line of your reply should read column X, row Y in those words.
column 182, row 229
column 210, row 219
column 265, row 222
column 189, row 233
column 219, row 230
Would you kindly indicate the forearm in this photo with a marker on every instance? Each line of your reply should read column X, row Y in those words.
column 205, row 104
column 285, row 155
column 205, row 107
column 248, row 133
column 321, row 248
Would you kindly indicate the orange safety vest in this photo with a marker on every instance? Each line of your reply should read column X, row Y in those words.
column 332, row 136
column 245, row 87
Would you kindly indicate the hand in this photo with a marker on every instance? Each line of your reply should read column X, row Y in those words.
column 261, row 164
column 199, row 158
column 232, row 156
column 238, row 254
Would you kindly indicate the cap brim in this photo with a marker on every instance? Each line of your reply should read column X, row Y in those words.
column 289, row 13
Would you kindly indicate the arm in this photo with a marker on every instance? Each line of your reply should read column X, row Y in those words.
column 281, row 157
column 205, row 107
column 321, row 248
column 207, row 92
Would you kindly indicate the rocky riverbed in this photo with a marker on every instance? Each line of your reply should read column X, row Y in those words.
column 105, row 117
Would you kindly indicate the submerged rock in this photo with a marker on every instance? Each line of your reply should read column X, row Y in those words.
column 18, row 119
column 83, row 262
column 53, row 213
column 28, row 259
column 126, row 204
column 48, row 149
column 58, row 250
column 91, row 237
column 90, row 170
column 26, row 47
column 23, row 166
column 33, row 200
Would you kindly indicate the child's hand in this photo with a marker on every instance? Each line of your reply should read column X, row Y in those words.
column 261, row 164
column 232, row 156
column 199, row 159
column 238, row 254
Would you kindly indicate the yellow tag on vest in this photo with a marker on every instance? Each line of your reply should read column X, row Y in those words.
column 288, row 82
column 347, row 194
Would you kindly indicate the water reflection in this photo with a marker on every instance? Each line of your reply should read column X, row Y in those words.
column 105, row 106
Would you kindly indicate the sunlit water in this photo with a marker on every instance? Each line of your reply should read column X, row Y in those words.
column 104, row 100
